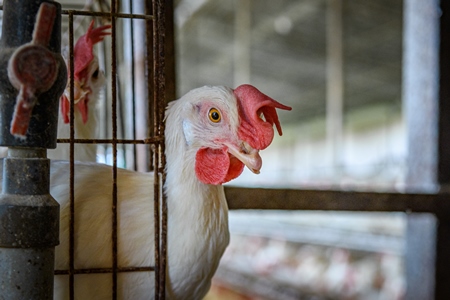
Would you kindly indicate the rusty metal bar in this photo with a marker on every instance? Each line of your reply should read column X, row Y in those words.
column 114, row 151
column 149, row 75
column 106, row 270
column 149, row 141
column 107, row 14
column 169, row 53
column 159, row 13
column 72, row 166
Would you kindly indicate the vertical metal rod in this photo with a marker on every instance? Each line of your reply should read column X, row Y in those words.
column 72, row 167
column 133, row 91
column 159, row 104
column 150, row 73
column 114, row 144
column 151, row 92
column 442, row 263
column 335, row 82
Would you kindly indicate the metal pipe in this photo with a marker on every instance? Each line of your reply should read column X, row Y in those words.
column 29, row 216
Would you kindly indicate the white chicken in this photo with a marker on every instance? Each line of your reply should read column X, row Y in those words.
column 88, row 82
column 211, row 133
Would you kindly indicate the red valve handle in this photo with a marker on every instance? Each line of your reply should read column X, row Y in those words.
column 33, row 69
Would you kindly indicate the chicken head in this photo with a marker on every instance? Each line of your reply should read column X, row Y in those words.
column 227, row 128
column 88, row 78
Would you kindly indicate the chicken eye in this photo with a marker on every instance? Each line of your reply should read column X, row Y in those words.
column 214, row 115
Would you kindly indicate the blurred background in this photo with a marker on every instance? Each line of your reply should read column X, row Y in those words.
column 339, row 65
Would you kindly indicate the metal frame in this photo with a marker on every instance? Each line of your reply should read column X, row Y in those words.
column 155, row 23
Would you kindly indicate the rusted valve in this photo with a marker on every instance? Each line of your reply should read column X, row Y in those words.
column 33, row 69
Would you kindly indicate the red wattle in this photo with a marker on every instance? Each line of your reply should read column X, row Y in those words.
column 65, row 108
column 235, row 169
column 216, row 166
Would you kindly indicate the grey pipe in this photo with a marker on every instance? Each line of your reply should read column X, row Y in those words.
column 29, row 216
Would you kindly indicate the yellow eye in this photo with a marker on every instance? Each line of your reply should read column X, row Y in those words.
column 214, row 115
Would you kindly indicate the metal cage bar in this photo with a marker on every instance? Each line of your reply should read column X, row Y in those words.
column 114, row 151
column 158, row 8
column 72, row 167
column 156, row 103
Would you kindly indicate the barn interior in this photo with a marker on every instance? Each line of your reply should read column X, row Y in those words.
column 350, row 202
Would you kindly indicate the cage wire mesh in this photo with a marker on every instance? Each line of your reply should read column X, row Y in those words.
column 130, row 114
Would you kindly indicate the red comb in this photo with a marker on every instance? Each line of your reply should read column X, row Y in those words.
column 252, row 104
column 82, row 52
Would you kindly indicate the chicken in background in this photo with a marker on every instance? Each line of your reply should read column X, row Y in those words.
column 211, row 133
column 307, row 271
column 88, row 82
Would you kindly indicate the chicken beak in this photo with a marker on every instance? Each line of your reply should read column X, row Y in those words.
column 80, row 94
column 247, row 155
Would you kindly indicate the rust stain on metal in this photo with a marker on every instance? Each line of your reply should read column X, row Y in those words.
column 106, row 14
column 106, row 270
column 149, row 141
column 72, row 168
column 158, row 114
column 114, row 144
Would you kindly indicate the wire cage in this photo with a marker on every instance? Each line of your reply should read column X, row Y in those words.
column 114, row 119
column 131, row 113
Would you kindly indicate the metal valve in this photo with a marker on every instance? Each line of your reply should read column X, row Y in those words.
column 33, row 76
column 33, row 73
column 33, row 69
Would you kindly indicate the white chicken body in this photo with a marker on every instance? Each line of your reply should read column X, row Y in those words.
column 197, row 211
column 196, row 243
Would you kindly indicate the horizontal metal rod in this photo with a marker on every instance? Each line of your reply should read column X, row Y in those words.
column 105, row 270
column 287, row 199
column 102, row 14
column 112, row 141
column 106, row 14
